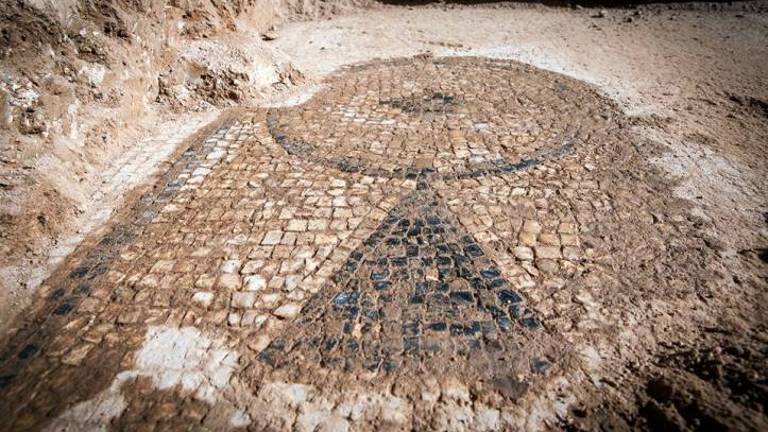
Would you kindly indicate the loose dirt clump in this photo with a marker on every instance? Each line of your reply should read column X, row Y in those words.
column 758, row 107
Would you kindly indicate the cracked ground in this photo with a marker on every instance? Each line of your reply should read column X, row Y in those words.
column 426, row 243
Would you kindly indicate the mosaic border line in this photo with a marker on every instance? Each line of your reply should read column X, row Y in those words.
column 22, row 347
column 300, row 148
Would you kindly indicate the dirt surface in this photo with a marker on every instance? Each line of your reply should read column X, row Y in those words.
column 554, row 219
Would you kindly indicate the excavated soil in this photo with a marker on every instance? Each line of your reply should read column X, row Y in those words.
column 426, row 243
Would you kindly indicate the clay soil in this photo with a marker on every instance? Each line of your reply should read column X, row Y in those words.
column 442, row 217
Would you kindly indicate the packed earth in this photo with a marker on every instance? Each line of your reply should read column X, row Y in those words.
column 417, row 242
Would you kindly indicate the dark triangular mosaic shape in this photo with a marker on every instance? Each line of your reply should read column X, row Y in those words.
column 417, row 288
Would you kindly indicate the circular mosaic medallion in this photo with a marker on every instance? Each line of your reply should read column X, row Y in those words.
column 460, row 117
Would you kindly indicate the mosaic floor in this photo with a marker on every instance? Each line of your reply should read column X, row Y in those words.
column 404, row 239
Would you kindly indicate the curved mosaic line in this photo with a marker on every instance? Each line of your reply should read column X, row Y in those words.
column 403, row 118
column 297, row 147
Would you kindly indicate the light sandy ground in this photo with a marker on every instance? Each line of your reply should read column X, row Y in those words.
column 635, row 66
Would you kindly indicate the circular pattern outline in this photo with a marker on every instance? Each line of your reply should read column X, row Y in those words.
column 308, row 151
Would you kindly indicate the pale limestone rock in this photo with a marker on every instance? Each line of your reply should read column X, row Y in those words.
column 243, row 300
column 229, row 282
column 523, row 253
column 255, row 283
column 548, row 252
column 272, row 238
column 203, row 298
column 287, row 311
